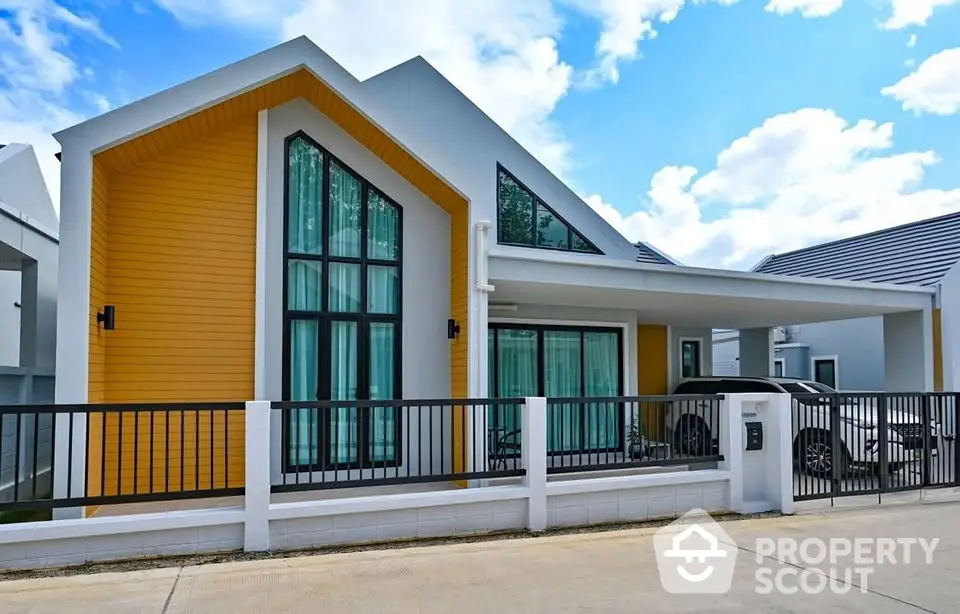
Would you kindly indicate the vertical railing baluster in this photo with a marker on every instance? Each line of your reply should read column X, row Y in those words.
column 69, row 451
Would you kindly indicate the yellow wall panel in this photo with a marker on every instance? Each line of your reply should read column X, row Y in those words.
column 652, row 373
column 178, row 205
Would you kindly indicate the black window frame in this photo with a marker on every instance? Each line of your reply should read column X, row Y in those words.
column 534, row 202
column 816, row 373
column 326, row 318
column 698, row 363
column 539, row 330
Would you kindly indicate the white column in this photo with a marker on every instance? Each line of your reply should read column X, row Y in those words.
column 908, row 351
column 73, row 317
column 534, row 457
column 256, row 500
column 761, row 480
column 29, row 313
column 756, row 352
column 260, row 318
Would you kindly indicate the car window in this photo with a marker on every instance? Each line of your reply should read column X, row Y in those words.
column 696, row 387
column 794, row 388
column 820, row 387
column 746, row 385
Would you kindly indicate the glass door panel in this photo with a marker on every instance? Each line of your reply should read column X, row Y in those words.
column 602, row 379
column 562, row 377
column 343, row 387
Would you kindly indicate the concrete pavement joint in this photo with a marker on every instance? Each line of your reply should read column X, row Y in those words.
column 173, row 588
column 825, row 575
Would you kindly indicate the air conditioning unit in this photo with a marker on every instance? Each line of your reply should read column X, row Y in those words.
column 779, row 334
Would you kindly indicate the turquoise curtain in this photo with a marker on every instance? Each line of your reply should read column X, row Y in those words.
column 383, row 419
column 518, row 374
column 304, row 282
column 561, row 378
column 601, row 380
column 382, row 289
column 344, row 213
column 303, row 439
column 575, row 363
column 343, row 387
column 383, row 228
column 344, row 295
column 305, row 197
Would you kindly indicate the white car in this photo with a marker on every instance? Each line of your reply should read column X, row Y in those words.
column 693, row 428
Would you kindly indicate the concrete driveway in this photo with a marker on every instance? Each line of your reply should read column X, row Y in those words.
column 597, row 572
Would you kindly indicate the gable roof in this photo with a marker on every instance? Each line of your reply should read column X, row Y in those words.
column 919, row 253
column 166, row 107
column 22, row 186
column 648, row 254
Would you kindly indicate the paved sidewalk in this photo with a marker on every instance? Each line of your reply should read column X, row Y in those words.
column 597, row 572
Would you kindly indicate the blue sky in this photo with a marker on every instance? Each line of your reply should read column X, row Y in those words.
column 743, row 127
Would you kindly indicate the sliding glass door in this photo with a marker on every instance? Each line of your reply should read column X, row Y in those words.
column 559, row 362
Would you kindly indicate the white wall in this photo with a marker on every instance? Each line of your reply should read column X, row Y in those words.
column 908, row 351
column 950, row 328
column 425, row 268
column 426, row 254
column 433, row 116
column 9, row 318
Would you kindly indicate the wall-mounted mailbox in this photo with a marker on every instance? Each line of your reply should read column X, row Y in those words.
column 754, row 436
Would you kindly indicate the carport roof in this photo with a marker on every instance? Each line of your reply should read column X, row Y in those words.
column 690, row 296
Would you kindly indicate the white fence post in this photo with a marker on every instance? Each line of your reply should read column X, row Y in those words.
column 731, row 446
column 534, row 457
column 69, row 462
column 782, row 436
column 256, row 500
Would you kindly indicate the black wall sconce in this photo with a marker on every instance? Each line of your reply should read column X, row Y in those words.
column 453, row 329
column 107, row 317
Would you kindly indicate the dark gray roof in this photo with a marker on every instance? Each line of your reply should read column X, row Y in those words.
column 650, row 255
column 920, row 253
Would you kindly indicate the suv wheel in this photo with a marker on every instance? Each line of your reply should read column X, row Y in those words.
column 816, row 455
column 692, row 437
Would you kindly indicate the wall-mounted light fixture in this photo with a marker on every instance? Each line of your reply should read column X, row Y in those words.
column 107, row 317
column 453, row 329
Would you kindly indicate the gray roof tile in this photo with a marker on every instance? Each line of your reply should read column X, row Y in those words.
column 648, row 254
column 919, row 253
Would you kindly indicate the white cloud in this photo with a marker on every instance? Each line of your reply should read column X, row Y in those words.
column 912, row 41
column 799, row 178
column 807, row 8
column 934, row 87
column 913, row 12
column 37, row 74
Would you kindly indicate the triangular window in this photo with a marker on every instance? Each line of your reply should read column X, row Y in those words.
column 525, row 220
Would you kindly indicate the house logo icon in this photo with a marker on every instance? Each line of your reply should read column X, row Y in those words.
column 695, row 555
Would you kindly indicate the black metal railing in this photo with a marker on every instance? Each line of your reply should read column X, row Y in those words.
column 850, row 444
column 602, row 434
column 119, row 453
column 346, row 444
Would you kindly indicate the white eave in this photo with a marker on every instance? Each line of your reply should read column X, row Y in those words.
column 690, row 295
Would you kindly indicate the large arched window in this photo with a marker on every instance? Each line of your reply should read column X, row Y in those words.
column 342, row 285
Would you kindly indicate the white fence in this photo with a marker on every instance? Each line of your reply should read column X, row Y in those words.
column 743, row 482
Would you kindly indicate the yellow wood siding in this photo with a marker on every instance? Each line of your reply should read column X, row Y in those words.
column 652, row 372
column 180, row 269
column 937, row 351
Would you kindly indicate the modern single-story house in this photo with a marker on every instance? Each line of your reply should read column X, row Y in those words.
column 279, row 230
column 849, row 354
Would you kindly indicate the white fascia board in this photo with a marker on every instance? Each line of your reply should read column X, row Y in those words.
column 170, row 105
column 576, row 270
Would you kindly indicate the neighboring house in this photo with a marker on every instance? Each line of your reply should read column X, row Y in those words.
column 850, row 354
column 28, row 316
column 278, row 229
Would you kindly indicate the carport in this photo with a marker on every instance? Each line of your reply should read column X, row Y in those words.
column 696, row 298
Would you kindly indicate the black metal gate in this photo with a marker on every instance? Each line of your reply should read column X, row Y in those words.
column 873, row 443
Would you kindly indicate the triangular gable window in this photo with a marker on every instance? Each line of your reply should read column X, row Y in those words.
column 525, row 220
